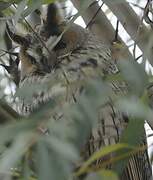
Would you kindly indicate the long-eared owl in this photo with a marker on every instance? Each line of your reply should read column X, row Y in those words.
column 51, row 61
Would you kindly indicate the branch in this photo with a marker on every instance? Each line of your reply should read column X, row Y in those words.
column 133, row 25
column 7, row 114
column 103, row 29
column 101, row 26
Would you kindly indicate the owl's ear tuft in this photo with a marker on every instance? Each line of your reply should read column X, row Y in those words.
column 54, row 14
column 54, row 18
column 19, row 39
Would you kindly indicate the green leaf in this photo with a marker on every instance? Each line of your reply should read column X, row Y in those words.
column 134, row 74
column 134, row 132
column 19, row 11
column 108, row 175
column 132, row 135
column 48, row 1
column 13, row 154
column 43, row 161
column 51, row 164
column 93, row 176
column 134, row 107
column 102, row 175
column 2, row 32
column 4, row 5
column 64, row 149
column 84, row 4
column 32, row 5
column 102, row 152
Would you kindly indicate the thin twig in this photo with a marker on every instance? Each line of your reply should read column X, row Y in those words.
column 8, row 52
column 94, row 16
column 116, row 31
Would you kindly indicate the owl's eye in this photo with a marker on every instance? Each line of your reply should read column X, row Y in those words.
column 29, row 38
column 39, row 50
column 32, row 59
column 33, row 55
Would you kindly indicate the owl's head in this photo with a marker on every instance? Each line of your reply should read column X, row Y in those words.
column 39, row 50
column 36, row 54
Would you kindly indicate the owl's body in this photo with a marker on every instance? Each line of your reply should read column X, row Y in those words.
column 80, row 59
column 77, row 56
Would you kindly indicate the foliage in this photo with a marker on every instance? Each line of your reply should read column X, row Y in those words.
column 26, row 152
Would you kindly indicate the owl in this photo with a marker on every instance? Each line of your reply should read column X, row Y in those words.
column 70, row 55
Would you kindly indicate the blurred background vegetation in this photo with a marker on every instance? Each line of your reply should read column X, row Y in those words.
column 25, row 153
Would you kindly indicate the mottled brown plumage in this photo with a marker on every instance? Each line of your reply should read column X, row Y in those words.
column 77, row 56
